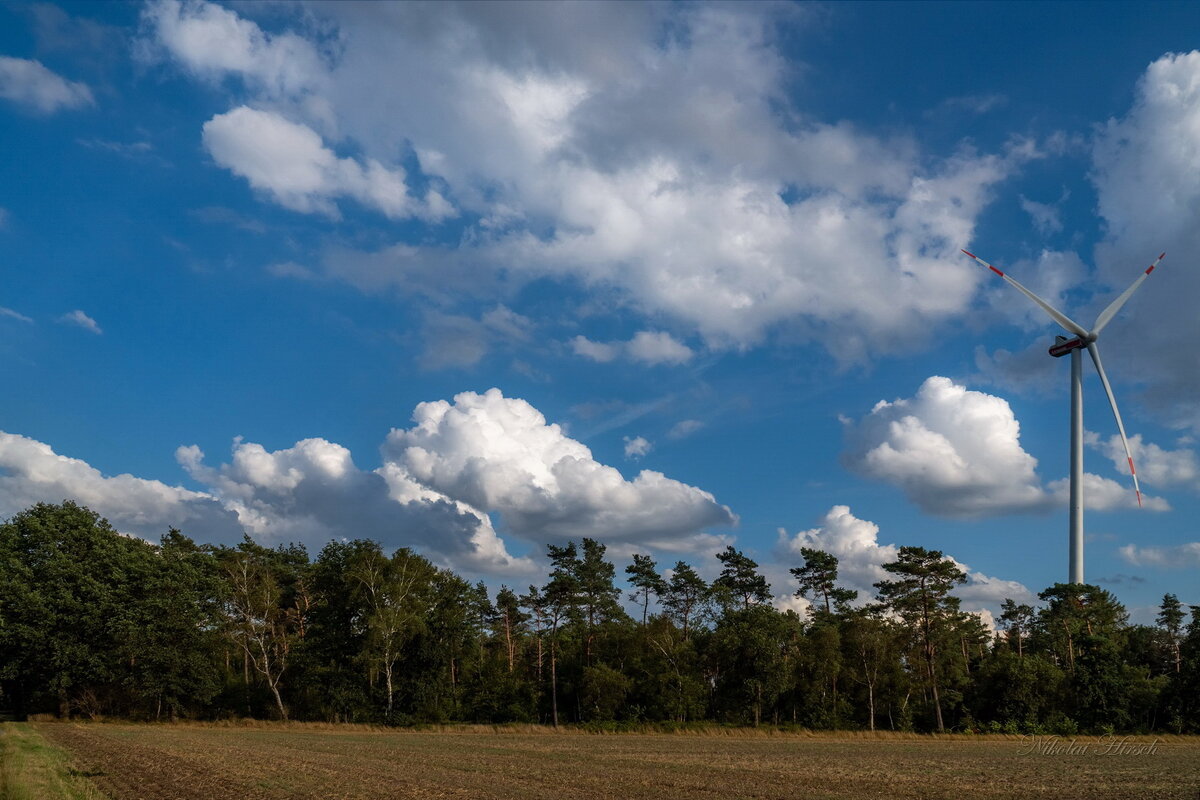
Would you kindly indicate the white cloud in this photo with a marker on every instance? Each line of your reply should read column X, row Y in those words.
column 29, row 83
column 438, row 488
column 684, row 428
column 648, row 347
column 596, row 351
column 290, row 162
column 1046, row 217
column 290, row 269
column 499, row 455
column 312, row 492
column 1144, row 167
column 17, row 315
column 211, row 41
column 974, row 103
column 855, row 543
column 1104, row 494
column 658, row 347
column 453, row 340
column 1155, row 466
column 81, row 319
column 789, row 602
column 1179, row 556
column 637, row 446
column 31, row 472
column 644, row 151
column 1051, row 276
column 958, row 453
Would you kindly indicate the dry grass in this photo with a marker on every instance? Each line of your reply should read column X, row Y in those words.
column 32, row 769
column 303, row 760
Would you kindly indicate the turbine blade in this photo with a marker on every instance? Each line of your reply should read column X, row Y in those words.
column 1059, row 317
column 1107, row 314
column 1112, row 401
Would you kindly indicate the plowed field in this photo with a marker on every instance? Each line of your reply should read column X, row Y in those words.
column 157, row 762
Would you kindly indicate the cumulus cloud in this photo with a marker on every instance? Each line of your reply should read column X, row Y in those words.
column 290, row 162
column 637, row 446
column 1178, row 556
column 1144, row 167
column 443, row 479
column 956, row 452
column 439, row 487
column 854, row 541
column 31, row 472
column 650, row 151
column 500, row 455
column 1156, row 466
column 313, row 492
column 861, row 557
column 30, row 84
column 212, row 42
column 648, row 347
column 81, row 319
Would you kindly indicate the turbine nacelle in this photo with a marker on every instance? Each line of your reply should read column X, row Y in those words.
column 1063, row 345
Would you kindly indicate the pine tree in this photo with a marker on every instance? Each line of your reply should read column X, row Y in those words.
column 643, row 575
column 740, row 579
column 818, row 580
column 920, row 595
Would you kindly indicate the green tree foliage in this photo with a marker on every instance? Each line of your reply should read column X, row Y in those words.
column 395, row 592
column 644, row 577
column 1016, row 621
column 686, row 597
column 920, row 595
column 96, row 623
column 1170, row 619
column 740, row 580
column 818, row 581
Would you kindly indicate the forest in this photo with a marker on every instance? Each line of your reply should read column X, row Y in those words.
column 94, row 624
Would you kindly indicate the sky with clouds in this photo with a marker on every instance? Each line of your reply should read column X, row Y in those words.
column 480, row 277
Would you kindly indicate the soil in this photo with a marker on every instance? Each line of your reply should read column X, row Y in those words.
column 161, row 762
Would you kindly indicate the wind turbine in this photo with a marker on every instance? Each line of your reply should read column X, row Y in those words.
column 1063, row 345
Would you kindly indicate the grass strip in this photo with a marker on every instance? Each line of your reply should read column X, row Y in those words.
column 33, row 769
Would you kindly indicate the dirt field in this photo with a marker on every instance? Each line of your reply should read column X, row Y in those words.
column 155, row 762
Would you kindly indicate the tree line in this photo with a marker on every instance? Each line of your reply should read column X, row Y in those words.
column 95, row 623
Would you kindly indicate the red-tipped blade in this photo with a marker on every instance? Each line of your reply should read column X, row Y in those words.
column 1055, row 314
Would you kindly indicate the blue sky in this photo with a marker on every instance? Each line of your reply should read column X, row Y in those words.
column 475, row 278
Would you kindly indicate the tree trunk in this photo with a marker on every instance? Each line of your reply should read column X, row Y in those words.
column 937, row 703
column 387, row 671
column 554, row 681
column 508, row 640
column 871, row 704
column 279, row 702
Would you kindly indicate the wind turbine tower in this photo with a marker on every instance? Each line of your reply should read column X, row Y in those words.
column 1083, row 339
